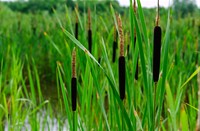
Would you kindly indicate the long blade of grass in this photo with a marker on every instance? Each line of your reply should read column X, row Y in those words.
column 190, row 78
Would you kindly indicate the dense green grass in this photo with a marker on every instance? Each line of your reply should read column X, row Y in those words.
column 35, row 72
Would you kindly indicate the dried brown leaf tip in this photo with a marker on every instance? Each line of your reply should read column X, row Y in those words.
column 74, row 63
column 89, row 19
column 121, row 36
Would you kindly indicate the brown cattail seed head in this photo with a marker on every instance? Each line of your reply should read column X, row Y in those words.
column 89, row 19
column 74, row 63
column 121, row 36
column 156, row 52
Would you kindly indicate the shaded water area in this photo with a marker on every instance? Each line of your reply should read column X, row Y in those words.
column 48, row 114
column 45, row 123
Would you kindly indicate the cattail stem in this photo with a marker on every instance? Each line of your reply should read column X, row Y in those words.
column 121, row 65
column 154, row 107
column 158, row 14
column 74, row 81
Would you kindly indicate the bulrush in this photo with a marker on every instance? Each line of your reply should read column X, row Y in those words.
column 89, row 32
column 136, row 72
column 114, row 45
column 156, row 48
column 73, row 81
column 127, row 40
column 121, row 61
column 76, row 24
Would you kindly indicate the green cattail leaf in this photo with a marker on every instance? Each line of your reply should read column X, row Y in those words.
column 114, row 17
column 81, row 46
column 184, row 120
column 63, row 90
column 194, row 74
column 96, row 82
column 54, row 44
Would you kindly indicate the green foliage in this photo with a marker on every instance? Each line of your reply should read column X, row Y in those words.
column 35, row 70
column 184, row 7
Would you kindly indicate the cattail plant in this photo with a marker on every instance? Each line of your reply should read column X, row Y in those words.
column 89, row 32
column 156, row 48
column 127, row 36
column 136, row 72
column 99, row 55
column 34, row 24
column 73, row 81
column 76, row 24
column 19, row 23
column 114, row 45
column 121, row 65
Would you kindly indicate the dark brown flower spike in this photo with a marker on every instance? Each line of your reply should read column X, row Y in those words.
column 121, row 65
column 89, row 32
column 114, row 45
column 74, row 81
column 135, row 9
column 156, row 48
